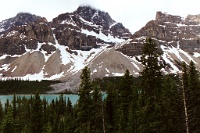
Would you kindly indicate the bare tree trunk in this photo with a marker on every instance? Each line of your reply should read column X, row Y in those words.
column 104, row 129
column 185, row 108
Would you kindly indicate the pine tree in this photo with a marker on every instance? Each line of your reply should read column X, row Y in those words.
column 132, row 125
column 125, row 98
column 84, row 102
column 1, row 112
column 110, row 109
column 14, row 107
column 173, row 113
column 69, row 118
column 8, row 122
column 37, row 115
column 151, row 110
column 193, row 102
column 96, row 114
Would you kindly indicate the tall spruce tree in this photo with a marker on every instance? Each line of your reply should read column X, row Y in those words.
column 193, row 101
column 84, row 103
column 151, row 112
column 1, row 112
column 132, row 125
column 8, row 122
column 37, row 115
column 96, row 114
column 173, row 113
column 125, row 98
column 110, row 108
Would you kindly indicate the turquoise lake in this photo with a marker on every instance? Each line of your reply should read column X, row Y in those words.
column 48, row 97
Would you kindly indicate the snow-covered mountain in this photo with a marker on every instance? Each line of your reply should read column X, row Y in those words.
column 177, row 37
column 35, row 49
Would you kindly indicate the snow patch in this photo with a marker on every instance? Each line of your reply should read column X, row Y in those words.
column 36, row 77
column 107, row 70
column 89, row 23
column 5, row 67
column 118, row 74
column 197, row 55
column 12, row 33
column 14, row 69
column 113, row 25
column 102, row 36
column 94, row 71
column 187, row 55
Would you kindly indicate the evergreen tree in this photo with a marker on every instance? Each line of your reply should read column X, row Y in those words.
column 14, row 107
column 69, row 118
column 151, row 110
column 110, row 109
column 84, row 103
column 96, row 114
column 1, row 112
column 125, row 98
column 69, row 108
column 173, row 113
column 47, row 128
column 193, row 101
column 37, row 115
column 8, row 122
column 133, row 113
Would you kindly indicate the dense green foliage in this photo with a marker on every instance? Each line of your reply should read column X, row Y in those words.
column 151, row 103
column 25, row 87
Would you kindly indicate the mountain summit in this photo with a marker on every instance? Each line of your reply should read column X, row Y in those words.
column 91, row 26
column 21, row 18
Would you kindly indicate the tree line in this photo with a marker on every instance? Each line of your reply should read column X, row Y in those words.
column 151, row 103
column 19, row 86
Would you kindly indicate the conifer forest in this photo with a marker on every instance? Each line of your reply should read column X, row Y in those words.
column 154, row 102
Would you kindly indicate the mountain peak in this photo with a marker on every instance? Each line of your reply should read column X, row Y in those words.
column 165, row 17
column 20, row 19
column 95, row 16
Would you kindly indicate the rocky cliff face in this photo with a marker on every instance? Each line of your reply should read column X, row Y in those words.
column 169, row 30
column 23, row 32
column 85, row 27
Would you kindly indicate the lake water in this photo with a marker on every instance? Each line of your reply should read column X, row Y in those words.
column 48, row 97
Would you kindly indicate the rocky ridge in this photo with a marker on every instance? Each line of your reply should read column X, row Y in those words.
column 176, row 36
